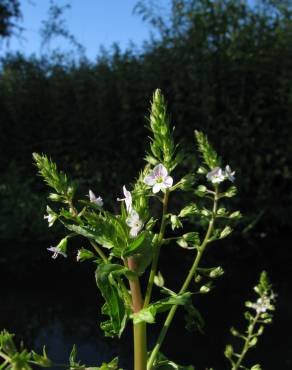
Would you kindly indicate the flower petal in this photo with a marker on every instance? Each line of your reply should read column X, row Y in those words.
column 160, row 171
column 157, row 187
column 149, row 180
column 168, row 181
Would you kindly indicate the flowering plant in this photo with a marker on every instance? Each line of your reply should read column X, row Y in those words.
column 126, row 246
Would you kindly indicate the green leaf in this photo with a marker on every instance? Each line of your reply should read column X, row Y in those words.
column 113, row 365
column 42, row 360
column 189, row 210
column 144, row 251
column 92, row 233
column 231, row 192
column 6, row 343
column 84, row 254
column 134, row 246
column 163, row 363
column 72, row 356
column 106, row 279
column 148, row 314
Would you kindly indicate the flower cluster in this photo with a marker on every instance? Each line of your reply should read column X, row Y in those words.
column 158, row 178
column 263, row 304
column 218, row 175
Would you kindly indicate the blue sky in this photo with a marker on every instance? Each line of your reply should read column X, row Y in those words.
column 92, row 22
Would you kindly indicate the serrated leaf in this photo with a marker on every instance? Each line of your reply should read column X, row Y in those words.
column 136, row 243
column 114, row 307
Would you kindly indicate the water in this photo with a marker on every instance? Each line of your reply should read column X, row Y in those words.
column 57, row 303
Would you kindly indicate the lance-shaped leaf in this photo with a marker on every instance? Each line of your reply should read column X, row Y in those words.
column 100, row 235
column 106, row 279
column 148, row 314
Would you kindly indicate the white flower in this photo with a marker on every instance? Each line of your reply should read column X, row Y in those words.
column 229, row 174
column 51, row 216
column 127, row 199
column 216, row 175
column 134, row 222
column 61, row 248
column 94, row 199
column 56, row 252
column 158, row 179
column 262, row 304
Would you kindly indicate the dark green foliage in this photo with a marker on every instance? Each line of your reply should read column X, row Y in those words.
column 9, row 14
column 225, row 70
column 114, row 307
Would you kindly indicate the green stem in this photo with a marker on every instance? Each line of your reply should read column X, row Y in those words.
column 185, row 285
column 139, row 330
column 246, row 343
column 5, row 357
column 98, row 250
column 157, row 250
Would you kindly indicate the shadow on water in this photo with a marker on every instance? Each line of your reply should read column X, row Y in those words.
column 56, row 303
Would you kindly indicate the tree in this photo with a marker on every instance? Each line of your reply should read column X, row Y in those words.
column 9, row 14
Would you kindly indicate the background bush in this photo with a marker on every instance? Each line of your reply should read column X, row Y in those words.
column 225, row 68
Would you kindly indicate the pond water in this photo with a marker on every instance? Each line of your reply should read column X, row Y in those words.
column 56, row 303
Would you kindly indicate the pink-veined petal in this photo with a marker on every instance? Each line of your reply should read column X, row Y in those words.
column 160, row 171
column 157, row 187
column 168, row 181
column 149, row 180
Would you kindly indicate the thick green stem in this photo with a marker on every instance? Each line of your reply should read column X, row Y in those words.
column 185, row 285
column 246, row 343
column 140, row 341
column 157, row 250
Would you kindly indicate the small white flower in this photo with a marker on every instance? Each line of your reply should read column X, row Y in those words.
column 135, row 224
column 229, row 174
column 158, row 179
column 51, row 216
column 262, row 304
column 127, row 199
column 61, row 248
column 78, row 257
column 56, row 251
column 216, row 175
column 94, row 199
